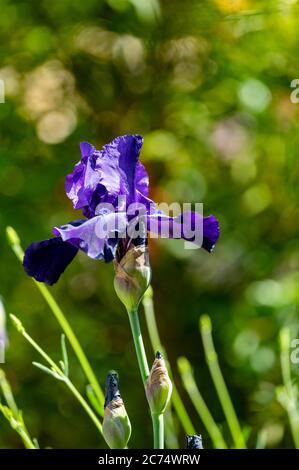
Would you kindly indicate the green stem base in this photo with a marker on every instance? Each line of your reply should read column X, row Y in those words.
column 158, row 429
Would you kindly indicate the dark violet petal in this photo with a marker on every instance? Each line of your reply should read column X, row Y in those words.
column 142, row 187
column 74, row 181
column 47, row 260
column 103, row 175
column 112, row 388
column 191, row 226
column 86, row 150
column 141, row 179
column 97, row 237
column 211, row 232
column 110, row 249
column 124, row 151
column 85, row 186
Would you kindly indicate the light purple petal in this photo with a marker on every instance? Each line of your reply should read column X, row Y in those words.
column 98, row 236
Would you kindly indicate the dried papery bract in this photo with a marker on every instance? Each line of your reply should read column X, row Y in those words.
column 158, row 386
column 116, row 423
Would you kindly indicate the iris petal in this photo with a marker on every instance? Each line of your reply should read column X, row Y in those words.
column 141, row 179
column 103, row 175
column 97, row 237
column 191, row 226
column 47, row 260
column 211, row 232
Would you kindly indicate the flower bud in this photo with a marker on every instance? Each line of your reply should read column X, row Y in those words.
column 116, row 423
column 132, row 275
column 158, row 387
column 194, row 442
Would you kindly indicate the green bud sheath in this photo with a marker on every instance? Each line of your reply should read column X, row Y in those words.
column 158, row 387
column 132, row 276
column 116, row 423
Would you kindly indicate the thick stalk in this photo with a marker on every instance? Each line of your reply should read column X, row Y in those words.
column 157, row 420
column 158, row 429
column 139, row 346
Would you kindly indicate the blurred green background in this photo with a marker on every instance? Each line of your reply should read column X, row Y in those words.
column 207, row 83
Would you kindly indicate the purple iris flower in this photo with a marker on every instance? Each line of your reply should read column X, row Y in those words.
column 104, row 185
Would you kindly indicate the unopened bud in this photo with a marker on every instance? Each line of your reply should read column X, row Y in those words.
column 194, row 442
column 116, row 423
column 132, row 275
column 158, row 387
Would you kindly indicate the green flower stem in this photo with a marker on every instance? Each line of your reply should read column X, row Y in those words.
column 14, row 241
column 60, row 374
column 157, row 346
column 199, row 403
column 290, row 401
column 158, row 424
column 222, row 392
column 139, row 346
column 158, row 428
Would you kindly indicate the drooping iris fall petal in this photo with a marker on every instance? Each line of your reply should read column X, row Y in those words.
column 47, row 260
column 97, row 237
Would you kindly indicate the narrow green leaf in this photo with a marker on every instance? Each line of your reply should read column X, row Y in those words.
column 48, row 371
column 93, row 400
column 64, row 356
column 36, row 443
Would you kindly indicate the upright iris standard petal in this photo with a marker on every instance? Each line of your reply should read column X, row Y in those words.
column 47, row 260
column 97, row 237
column 191, row 226
column 141, row 179
column 76, row 190
column 102, row 176
column 125, row 150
